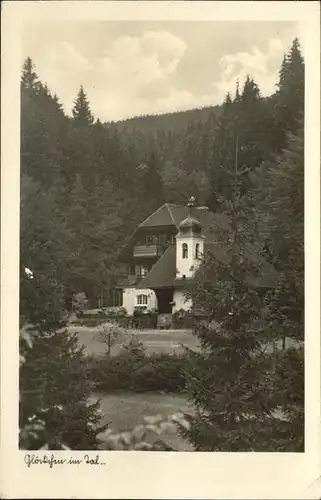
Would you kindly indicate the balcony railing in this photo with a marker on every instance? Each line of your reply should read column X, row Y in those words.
column 147, row 251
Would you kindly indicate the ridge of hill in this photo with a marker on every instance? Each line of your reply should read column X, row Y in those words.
column 165, row 122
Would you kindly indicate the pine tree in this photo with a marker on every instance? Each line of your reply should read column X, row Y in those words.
column 237, row 97
column 230, row 381
column 54, row 387
column 29, row 78
column 221, row 156
column 152, row 181
column 288, row 102
column 43, row 129
column 280, row 207
column 81, row 110
column 247, row 399
column 251, row 125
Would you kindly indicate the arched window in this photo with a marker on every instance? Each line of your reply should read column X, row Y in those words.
column 142, row 300
column 197, row 251
column 184, row 251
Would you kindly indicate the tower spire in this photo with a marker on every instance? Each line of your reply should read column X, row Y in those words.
column 191, row 204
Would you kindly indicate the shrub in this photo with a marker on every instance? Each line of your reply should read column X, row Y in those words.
column 79, row 303
column 138, row 372
column 143, row 318
column 133, row 347
column 162, row 372
column 111, row 334
column 183, row 319
column 114, row 312
column 84, row 321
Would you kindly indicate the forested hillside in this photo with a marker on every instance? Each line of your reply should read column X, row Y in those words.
column 174, row 122
column 86, row 184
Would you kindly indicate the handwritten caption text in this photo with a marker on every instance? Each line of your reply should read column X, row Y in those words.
column 51, row 460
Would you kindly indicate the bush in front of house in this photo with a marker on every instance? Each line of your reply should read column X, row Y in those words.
column 183, row 320
column 144, row 318
column 79, row 303
column 96, row 315
column 161, row 372
column 110, row 334
column 139, row 372
column 141, row 319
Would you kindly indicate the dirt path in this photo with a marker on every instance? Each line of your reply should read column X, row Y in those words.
column 155, row 341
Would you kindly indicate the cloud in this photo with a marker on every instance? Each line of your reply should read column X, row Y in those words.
column 262, row 67
column 63, row 68
column 129, row 77
column 135, row 75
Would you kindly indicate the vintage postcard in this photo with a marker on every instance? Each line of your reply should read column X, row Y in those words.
column 160, row 250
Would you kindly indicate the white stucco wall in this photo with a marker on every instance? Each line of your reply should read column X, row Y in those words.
column 130, row 298
column 180, row 301
column 188, row 266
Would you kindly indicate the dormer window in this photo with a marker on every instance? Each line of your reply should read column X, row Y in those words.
column 184, row 251
column 197, row 251
column 142, row 300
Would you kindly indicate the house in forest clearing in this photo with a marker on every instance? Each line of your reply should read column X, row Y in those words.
column 165, row 250
column 162, row 253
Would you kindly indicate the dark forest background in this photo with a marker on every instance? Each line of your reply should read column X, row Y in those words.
column 85, row 185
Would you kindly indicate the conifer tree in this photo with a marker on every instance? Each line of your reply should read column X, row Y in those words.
column 237, row 97
column 29, row 78
column 79, row 157
column 288, row 102
column 283, row 201
column 152, row 182
column 221, row 156
column 43, row 127
column 222, row 380
column 55, row 389
column 248, row 398
column 81, row 110
column 230, row 381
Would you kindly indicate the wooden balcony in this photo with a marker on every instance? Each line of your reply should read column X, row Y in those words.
column 149, row 251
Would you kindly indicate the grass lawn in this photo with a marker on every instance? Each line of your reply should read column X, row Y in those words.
column 126, row 410
column 155, row 341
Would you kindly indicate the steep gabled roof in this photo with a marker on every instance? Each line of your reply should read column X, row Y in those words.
column 161, row 217
column 163, row 272
column 170, row 215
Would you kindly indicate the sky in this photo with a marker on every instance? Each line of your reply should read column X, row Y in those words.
column 130, row 68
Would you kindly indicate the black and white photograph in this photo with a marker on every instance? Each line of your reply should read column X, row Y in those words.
column 162, row 291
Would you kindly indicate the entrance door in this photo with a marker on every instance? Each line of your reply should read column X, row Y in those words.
column 164, row 299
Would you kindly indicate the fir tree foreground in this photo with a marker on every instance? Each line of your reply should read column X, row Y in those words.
column 248, row 396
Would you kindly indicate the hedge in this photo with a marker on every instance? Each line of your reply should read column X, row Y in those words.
column 139, row 372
